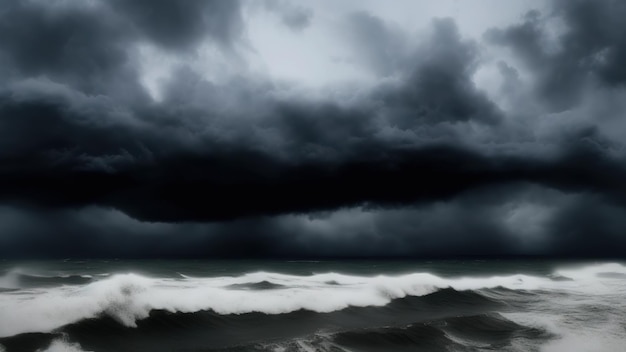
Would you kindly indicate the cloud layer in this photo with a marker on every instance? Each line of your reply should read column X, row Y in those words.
column 418, row 157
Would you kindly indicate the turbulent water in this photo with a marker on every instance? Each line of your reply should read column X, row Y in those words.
column 312, row 306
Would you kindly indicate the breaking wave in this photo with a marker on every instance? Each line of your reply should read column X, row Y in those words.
column 62, row 345
column 320, row 312
column 19, row 278
column 128, row 298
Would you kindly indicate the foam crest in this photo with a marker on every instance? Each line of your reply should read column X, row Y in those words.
column 45, row 310
column 592, row 271
column 21, row 278
column 129, row 298
column 60, row 345
column 9, row 281
column 573, row 332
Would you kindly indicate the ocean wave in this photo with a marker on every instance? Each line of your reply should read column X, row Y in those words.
column 20, row 278
column 593, row 271
column 261, row 285
column 429, row 305
column 9, row 281
column 162, row 330
column 62, row 345
column 483, row 332
column 129, row 298
column 489, row 331
column 604, row 333
column 30, row 341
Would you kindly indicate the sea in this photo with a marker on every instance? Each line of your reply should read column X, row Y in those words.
column 326, row 305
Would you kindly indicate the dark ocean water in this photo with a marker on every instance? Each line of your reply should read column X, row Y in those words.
column 493, row 305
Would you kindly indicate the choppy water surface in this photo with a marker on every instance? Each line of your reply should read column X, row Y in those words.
column 312, row 306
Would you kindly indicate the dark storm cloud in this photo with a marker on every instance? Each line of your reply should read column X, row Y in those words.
column 379, row 45
column 88, row 44
column 589, row 225
column 166, row 163
column 181, row 25
column 435, row 79
column 95, row 232
column 593, row 47
column 440, row 88
column 296, row 17
column 518, row 219
column 345, row 233
column 79, row 44
column 83, row 146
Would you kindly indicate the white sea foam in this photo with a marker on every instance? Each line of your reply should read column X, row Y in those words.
column 573, row 333
column 9, row 280
column 592, row 271
column 585, row 341
column 319, row 342
column 130, row 297
column 61, row 345
column 576, row 327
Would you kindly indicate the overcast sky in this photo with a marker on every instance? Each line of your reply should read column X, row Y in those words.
column 279, row 128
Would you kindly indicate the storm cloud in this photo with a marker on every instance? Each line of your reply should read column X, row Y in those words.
column 416, row 156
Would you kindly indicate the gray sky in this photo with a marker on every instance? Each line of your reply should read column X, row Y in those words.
column 312, row 128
